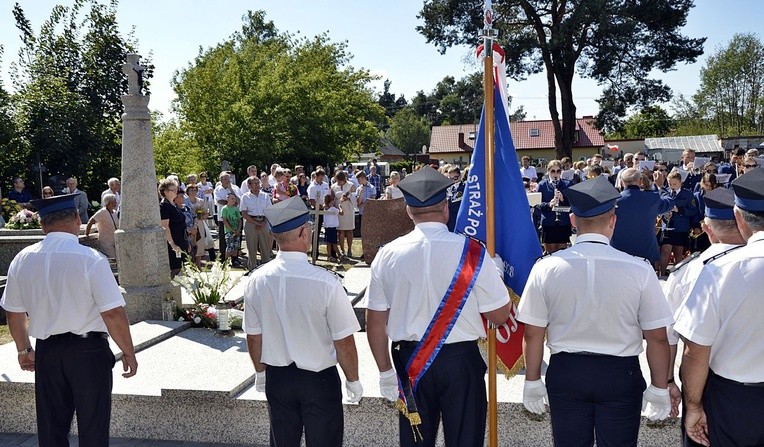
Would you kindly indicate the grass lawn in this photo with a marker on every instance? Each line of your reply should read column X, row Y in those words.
column 357, row 255
column 5, row 335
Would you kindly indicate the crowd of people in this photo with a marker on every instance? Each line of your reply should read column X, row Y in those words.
column 661, row 207
column 595, row 304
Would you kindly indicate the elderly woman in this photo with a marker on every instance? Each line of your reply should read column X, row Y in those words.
column 392, row 191
column 344, row 193
column 107, row 222
column 174, row 223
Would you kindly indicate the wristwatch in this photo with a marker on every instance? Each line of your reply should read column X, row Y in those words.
column 26, row 351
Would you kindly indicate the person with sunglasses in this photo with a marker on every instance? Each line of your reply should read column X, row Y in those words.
column 749, row 163
column 555, row 225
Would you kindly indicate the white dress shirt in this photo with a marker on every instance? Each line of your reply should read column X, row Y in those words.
column 594, row 298
column 724, row 311
column 64, row 286
column 529, row 172
column 317, row 192
column 300, row 310
column 680, row 282
column 410, row 276
column 255, row 205
column 221, row 193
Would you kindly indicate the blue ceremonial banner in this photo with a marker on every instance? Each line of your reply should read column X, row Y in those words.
column 516, row 239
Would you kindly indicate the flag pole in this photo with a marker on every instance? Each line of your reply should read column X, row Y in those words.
column 488, row 84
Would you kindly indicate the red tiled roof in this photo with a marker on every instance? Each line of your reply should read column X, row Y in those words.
column 444, row 139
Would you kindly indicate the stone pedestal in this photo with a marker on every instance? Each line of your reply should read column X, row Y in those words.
column 144, row 267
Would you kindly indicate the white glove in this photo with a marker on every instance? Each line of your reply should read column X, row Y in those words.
column 260, row 381
column 499, row 263
column 656, row 403
column 355, row 391
column 388, row 385
column 534, row 396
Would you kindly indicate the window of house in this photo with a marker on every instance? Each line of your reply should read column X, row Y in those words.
column 533, row 132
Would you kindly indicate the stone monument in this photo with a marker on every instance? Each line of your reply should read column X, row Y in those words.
column 144, row 267
column 383, row 221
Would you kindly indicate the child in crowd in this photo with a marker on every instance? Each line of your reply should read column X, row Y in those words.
column 231, row 218
column 331, row 222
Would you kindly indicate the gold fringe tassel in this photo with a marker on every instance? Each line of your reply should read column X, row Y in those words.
column 414, row 419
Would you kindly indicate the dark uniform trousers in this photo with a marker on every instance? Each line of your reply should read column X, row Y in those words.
column 452, row 389
column 592, row 394
column 300, row 399
column 733, row 411
column 73, row 374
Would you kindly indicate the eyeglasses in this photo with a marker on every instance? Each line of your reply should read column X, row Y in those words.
column 750, row 166
column 711, row 171
column 555, row 171
column 662, row 170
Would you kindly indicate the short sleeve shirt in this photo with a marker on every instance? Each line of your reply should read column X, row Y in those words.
column 410, row 276
column 680, row 282
column 594, row 298
column 723, row 310
column 300, row 310
column 62, row 285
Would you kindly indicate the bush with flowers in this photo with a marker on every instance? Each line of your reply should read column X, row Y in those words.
column 24, row 220
column 208, row 287
column 8, row 208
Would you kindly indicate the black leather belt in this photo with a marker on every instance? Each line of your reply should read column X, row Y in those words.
column 258, row 218
column 70, row 335
column 596, row 354
column 735, row 382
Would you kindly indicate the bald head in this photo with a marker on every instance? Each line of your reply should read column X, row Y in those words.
column 631, row 177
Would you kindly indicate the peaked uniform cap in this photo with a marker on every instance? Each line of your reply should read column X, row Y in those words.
column 719, row 204
column 55, row 203
column 424, row 187
column 592, row 197
column 749, row 190
column 287, row 215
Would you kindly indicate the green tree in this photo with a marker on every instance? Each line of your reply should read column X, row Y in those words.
column 456, row 102
column 176, row 150
column 263, row 97
column 68, row 87
column 651, row 121
column 688, row 119
column 10, row 158
column 408, row 131
column 616, row 42
column 390, row 102
column 731, row 92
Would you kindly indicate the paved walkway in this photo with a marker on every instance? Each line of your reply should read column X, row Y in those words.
column 26, row 440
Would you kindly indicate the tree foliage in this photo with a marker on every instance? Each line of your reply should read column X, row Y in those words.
column 455, row 102
column 650, row 122
column 68, row 85
column 616, row 42
column 731, row 93
column 408, row 131
column 390, row 101
column 176, row 151
column 262, row 97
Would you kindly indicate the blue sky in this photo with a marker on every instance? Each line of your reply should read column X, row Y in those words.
column 381, row 36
